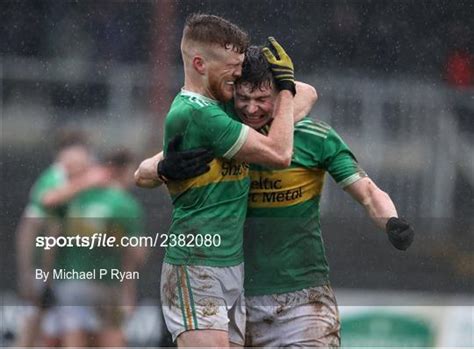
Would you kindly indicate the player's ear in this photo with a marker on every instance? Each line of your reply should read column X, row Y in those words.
column 199, row 64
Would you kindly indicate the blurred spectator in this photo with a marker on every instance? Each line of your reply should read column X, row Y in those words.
column 89, row 310
column 459, row 73
column 460, row 68
column 73, row 158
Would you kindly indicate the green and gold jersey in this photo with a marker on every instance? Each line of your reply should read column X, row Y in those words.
column 214, row 203
column 283, row 246
column 51, row 178
column 112, row 211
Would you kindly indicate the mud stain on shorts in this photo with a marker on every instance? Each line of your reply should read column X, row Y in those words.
column 209, row 306
column 204, row 276
column 268, row 320
column 170, row 291
column 314, row 295
column 251, row 336
column 205, row 287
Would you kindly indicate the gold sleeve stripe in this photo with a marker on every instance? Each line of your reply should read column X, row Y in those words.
column 244, row 132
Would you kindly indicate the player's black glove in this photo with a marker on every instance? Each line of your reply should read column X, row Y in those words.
column 281, row 65
column 400, row 233
column 179, row 165
column 47, row 298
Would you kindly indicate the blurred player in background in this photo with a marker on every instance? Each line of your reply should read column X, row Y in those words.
column 288, row 296
column 72, row 159
column 90, row 312
column 202, row 287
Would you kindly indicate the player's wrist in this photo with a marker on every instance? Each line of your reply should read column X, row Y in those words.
column 287, row 86
column 159, row 172
column 393, row 222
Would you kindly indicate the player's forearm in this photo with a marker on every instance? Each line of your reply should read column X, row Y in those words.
column 280, row 137
column 146, row 175
column 380, row 208
column 378, row 204
column 305, row 98
column 382, row 211
column 62, row 195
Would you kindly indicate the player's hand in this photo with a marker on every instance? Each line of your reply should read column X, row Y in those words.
column 400, row 233
column 281, row 65
column 179, row 165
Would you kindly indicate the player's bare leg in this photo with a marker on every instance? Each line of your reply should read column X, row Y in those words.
column 30, row 330
column 203, row 338
column 77, row 338
column 111, row 337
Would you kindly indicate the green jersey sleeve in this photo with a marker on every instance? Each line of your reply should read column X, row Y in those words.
column 219, row 131
column 50, row 179
column 339, row 160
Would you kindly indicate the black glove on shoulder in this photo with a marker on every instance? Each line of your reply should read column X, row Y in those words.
column 179, row 165
column 400, row 233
